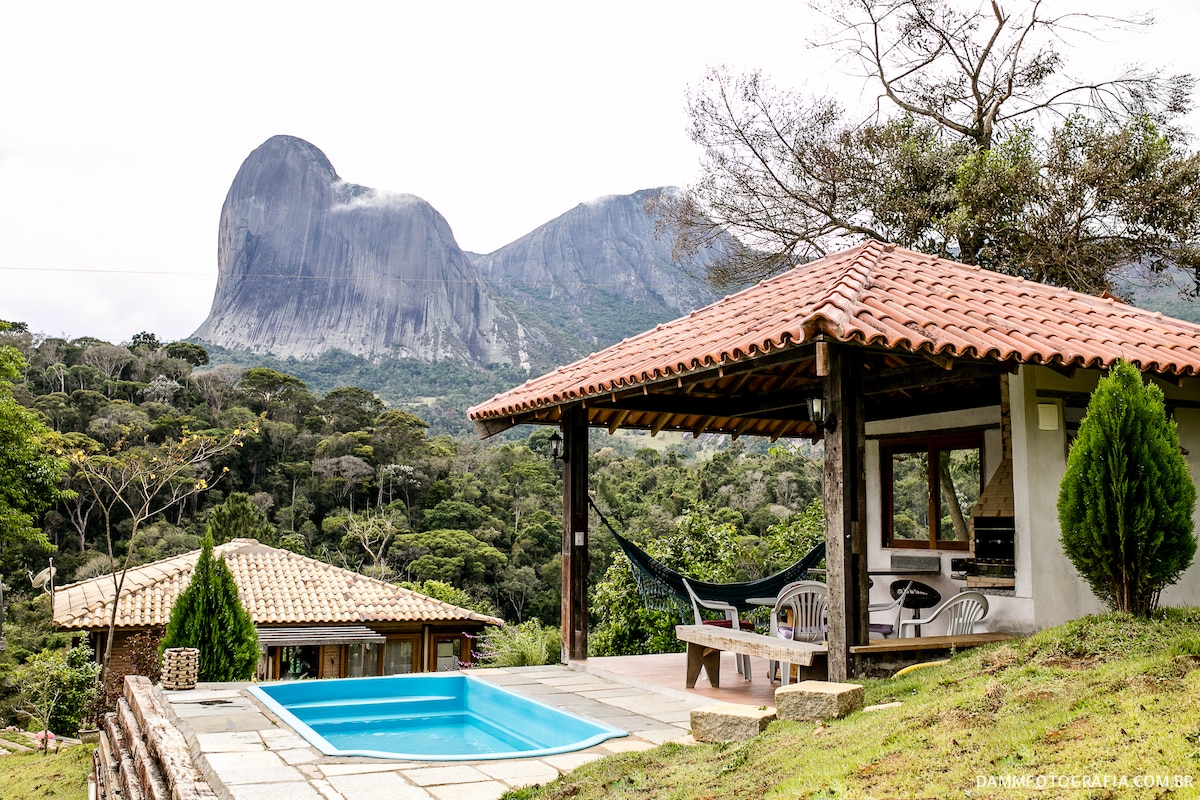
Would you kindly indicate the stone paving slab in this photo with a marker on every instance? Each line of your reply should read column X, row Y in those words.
column 375, row 786
column 248, row 754
column 487, row 790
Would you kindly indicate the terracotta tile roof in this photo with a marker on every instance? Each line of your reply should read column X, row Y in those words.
column 277, row 587
column 878, row 295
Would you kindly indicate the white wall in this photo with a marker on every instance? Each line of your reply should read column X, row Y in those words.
column 1187, row 591
column 1058, row 592
column 1039, row 459
column 1048, row 590
column 1001, row 616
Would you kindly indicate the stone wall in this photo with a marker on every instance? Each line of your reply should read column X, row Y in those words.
column 142, row 756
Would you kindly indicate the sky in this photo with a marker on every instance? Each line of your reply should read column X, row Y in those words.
column 123, row 124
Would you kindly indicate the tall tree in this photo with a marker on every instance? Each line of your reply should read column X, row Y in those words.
column 30, row 471
column 981, row 148
column 1126, row 500
column 208, row 616
column 134, row 484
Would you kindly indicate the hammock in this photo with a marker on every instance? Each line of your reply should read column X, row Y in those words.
column 662, row 588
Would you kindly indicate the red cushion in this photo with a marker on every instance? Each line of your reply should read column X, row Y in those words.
column 744, row 624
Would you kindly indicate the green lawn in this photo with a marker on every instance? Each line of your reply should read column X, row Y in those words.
column 1104, row 699
column 31, row 776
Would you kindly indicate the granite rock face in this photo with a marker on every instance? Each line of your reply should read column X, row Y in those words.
column 308, row 263
column 599, row 271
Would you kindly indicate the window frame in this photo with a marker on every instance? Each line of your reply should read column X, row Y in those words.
column 932, row 446
column 413, row 640
column 462, row 660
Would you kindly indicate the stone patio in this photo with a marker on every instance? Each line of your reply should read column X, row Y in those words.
column 246, row 753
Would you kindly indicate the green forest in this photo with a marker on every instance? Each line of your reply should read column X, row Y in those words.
column 342, row 477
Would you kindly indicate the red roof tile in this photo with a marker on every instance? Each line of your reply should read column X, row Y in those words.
column 276, row 587
column 884, row 296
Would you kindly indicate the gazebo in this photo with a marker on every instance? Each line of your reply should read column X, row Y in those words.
column 889, row 355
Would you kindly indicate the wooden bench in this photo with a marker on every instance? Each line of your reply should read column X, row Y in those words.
column 705, row 643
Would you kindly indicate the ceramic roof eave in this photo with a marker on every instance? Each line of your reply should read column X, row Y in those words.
column 277, row 587
column 874, row 295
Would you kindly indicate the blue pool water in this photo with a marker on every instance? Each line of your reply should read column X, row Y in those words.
column 427, row 717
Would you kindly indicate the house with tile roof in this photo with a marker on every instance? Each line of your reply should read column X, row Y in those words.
column 314, row 620
column 950, row 395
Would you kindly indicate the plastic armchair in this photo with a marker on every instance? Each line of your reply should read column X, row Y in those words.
column 730, row 621
column 961, row 611
column 805, row 604
column 886, row 629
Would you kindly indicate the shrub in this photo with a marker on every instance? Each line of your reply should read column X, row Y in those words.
column 529, row 644
column 209, row 616
column 1125, row 503
column 56, row 687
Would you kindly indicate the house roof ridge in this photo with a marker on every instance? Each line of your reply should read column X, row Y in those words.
column 252, row 562
column 832, row 310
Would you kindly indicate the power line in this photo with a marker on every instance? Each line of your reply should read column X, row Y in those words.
column 332, row 278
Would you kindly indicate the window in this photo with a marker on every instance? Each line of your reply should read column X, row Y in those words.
column 362, row 660
column 399, row 657
column 296, row 662
column 930, row 486
column 447, row 652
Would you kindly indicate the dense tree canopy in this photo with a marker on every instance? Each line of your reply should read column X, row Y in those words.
column 335, row 478
column 983, row 147
column 30, row 468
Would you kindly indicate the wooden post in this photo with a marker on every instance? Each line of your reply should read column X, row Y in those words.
column 845, row 508
column 575, row 535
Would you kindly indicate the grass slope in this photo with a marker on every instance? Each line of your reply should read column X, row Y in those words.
column 33, row 776
column 1102, row 696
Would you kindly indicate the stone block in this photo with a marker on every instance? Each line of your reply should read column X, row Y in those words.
column 817, row 700
column 729, row 722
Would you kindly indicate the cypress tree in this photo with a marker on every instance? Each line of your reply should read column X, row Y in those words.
column 209, row 616
column 1125, row 503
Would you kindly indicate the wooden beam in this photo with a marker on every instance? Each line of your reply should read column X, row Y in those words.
column 912, row 378
column 575, row 535
column 845, row 509
column 823, row 358
column 744, row 406
column 617, row 420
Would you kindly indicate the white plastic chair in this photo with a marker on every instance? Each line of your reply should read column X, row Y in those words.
column 961, row 611
column 805, row 602
column 731, row 620
column 886, row 629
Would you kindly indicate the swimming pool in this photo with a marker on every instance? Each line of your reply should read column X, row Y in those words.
column 427, row 717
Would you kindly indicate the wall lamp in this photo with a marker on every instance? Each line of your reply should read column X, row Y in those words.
column 556, row 448
column 816, row 413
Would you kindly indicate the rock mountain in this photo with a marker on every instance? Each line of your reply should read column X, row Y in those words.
column 309, row 263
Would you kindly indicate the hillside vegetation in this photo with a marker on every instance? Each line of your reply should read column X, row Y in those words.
column 344, row 478
column 1092, row 708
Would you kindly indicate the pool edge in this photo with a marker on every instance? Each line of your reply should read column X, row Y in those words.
column 315, row 740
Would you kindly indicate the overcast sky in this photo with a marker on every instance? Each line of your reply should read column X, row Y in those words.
column 123, row 124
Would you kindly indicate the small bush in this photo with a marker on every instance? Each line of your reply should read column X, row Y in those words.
column 529, row 644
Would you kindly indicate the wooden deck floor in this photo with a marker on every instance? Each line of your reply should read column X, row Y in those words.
column 668, row 673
